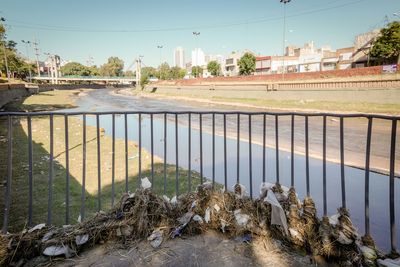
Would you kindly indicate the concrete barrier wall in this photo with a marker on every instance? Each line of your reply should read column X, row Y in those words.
column 10, row 92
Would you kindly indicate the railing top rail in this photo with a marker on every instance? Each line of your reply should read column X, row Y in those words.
column 302, row 114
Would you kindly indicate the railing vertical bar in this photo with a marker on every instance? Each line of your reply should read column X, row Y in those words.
column 391, row 188
column 7, row 202
column 250, row 160
column 50, row 182
column 213, row 149
column 277, row 147
column 113, row 162
column 66, row 128
column 176, row 156
column 324, row 165
column 190, row 151
column 152, row 149
column 201, row 147
column 98, row 163
column 83, row 193
column 126, row 151
column 292, row 152
column 225, row 155
column 140, row 148
column 264, row 144
column 367, row 158
column 165, row 152
column 30, row 162
column 238, row 150
column 342, row 177
column 307, row 156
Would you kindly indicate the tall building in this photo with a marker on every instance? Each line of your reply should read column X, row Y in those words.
column 179, row 57
column 198, row 57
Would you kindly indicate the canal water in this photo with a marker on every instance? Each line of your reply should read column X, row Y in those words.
column 105, row 100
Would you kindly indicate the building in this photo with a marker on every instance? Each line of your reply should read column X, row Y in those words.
column 345, row 58
column 198, row 57
column 231, row 64
column 179, row 57
column 263, row 65
column 362, row 46
column 287, row 63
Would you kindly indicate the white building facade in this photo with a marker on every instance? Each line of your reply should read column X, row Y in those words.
column 179, row 57
column 198, row 57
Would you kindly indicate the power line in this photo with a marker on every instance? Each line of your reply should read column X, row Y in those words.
column 233, row 24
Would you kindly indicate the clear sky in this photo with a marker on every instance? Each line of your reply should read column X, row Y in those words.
column 78, row 29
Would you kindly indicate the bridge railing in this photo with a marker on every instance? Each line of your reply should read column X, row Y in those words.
column 220, row 157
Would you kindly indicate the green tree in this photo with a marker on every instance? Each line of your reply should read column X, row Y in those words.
column 164, row 71
column 247, row 64
column 387, row 46
column 197, row 71
column 177, row 73
column 129, row 73
column 113, row 67
column 75, row 68
column 214, row 68
column 17, row 66
column 150, row 72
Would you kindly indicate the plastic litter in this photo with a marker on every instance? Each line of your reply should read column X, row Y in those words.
column 48, row 235
column 264, row 187
column 207, row 215
column 334, row 219
column 166, row 198
column 194, row 204
column 146, row 184
column 197, row 218
column 185, row 219
column 278, row 216
column 389, row 262
column 241, row 219
column 217, row 208
column 240, row 190
column 174, row 201
column 156, row 238
column 57, row 251
column 81, row 239
column 246, row 238
column 37, row 227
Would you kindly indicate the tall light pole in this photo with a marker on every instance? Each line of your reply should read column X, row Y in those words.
column 284, row 37
column 27, row 43
column 5, row 52
column 160, row 47
column 196, row 34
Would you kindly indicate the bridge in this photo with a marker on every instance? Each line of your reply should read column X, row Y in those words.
column 100, row 79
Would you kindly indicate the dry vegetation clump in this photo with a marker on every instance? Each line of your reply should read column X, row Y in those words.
column 144, row 214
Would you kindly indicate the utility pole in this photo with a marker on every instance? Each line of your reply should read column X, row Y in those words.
column 196, row 34
column 35, row 47
column 5, row 53
column 160, row 47
column 27, row 43
column 284, row 37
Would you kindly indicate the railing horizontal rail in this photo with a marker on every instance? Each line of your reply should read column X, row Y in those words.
column 308, row 114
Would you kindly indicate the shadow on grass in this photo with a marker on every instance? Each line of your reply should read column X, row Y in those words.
column 20, row 184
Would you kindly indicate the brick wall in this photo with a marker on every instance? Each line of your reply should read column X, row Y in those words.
column 376, row 70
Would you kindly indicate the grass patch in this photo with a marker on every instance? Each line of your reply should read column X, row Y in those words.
column 46, row 101
column 41, row 155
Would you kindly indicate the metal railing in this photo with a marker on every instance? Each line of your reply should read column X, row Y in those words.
column 187, row 119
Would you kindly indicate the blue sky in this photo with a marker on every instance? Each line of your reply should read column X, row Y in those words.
column 78, row 29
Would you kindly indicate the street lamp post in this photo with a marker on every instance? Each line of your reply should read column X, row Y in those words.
column 27, row 43
column 196, row 34
column 284, row 36
column 5, row 53
column 160, row 47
